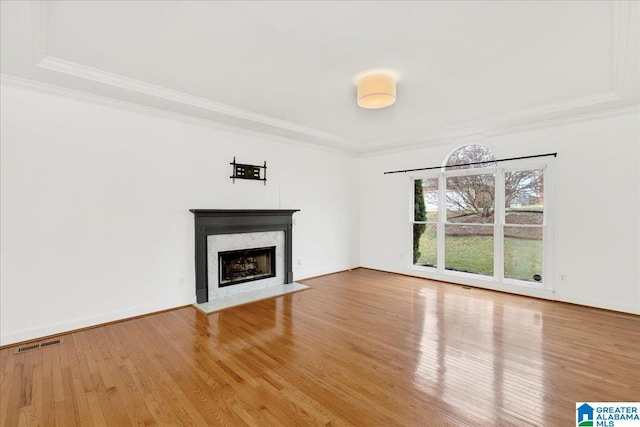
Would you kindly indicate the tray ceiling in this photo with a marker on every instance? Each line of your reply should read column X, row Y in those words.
column 286, row 68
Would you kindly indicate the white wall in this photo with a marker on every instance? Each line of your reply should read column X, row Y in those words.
column 95, row 224
column 596, row 199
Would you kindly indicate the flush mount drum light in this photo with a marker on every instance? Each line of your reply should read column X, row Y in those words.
column 376, row 88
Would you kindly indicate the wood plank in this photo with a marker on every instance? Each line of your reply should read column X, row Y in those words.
column 361, row 347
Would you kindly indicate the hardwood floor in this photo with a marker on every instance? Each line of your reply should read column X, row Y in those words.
column 361, row 348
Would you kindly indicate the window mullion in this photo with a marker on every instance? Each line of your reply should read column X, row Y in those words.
column 498, row 234
column 442, row 218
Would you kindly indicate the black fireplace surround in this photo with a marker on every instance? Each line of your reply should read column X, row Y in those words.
column 231, row 221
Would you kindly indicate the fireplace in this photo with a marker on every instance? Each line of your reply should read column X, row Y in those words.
column 246, row 265
column 234, row 232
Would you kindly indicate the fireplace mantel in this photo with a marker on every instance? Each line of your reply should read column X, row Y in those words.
column 230, row 221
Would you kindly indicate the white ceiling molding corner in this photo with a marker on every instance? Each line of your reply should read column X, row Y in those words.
column 619, row 42
column 40, row 24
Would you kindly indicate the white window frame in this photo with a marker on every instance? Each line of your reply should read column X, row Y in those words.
column 497, row 281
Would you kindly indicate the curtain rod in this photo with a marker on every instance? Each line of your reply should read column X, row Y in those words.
column 475, row 163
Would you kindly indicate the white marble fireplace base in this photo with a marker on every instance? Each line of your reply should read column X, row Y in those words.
column 248, row 297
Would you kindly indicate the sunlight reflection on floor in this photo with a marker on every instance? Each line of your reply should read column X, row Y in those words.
column 494, row 353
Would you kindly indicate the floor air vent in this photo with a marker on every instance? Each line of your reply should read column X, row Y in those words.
column 38, row 345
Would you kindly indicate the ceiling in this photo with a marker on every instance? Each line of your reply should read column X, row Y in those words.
column 286, row 68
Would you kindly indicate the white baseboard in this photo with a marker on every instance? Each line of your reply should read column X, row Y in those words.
column 85, row 322
column 531, row 292
column 322, row 272
column 624, row 308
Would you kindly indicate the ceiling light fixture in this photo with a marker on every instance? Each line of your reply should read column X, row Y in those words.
column 376, row 89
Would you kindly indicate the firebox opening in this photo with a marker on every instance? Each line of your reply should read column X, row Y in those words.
column 246, row 265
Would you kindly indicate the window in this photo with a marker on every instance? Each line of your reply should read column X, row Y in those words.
column 481, row 220
column 524, row 224
column 425, row 236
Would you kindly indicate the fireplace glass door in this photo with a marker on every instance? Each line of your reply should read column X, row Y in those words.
column 246, row 265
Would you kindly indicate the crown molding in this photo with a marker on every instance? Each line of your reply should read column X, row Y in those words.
column 495, row 123
column 543, row 124
column 104, row 77
column 118, row 104
column 59, row 91
column 576, row 118
column 557, row 107
column 393, row 149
